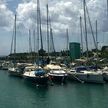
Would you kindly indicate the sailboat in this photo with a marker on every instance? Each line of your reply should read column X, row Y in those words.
column 15, row 69
column 36, row 74
column 85, row 73
column 55, row 71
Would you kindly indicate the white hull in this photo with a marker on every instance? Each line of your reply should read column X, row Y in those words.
column 56, row 73
column 87, row 77
column 59, row 76
column 43, row 79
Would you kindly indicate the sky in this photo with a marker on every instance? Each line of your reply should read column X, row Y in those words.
column 64, row 14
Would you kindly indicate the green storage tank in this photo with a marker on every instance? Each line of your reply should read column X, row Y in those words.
column 74, row 50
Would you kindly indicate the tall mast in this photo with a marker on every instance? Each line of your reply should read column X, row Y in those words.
column 34, row 36
column 107, row 8
column 67, row 45
column 38, row 27
column 47, row 29
column 52, row 46
column 81, row 36
column 12, row 42
column 96, row 40
column 91, row 28
column 84, row 6
column 52, row 40
column 15, row 37
column 96, row 36
column 41, row 35
column 30, row 46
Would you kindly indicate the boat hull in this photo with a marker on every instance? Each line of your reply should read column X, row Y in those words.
column 38, row 80
column 90, row 78
column 57, row 78
column 15, row 72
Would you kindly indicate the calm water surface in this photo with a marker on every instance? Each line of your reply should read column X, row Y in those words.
column 17, row 93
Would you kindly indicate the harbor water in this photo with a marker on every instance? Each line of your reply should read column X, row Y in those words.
column 18, row 93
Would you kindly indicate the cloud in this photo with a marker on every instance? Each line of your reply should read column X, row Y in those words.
column 6, row 16
column 63, row 13
column 98, row 11
column 26, row 14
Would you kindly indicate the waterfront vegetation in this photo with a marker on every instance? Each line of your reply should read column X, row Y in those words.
column 102, row 55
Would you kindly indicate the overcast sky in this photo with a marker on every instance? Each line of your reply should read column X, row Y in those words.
column 64, row 14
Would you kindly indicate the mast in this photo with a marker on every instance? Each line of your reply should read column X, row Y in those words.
column 96, row 35
column 52, row 40
column 41, row 35
column 96, row 46
column 107, row 8
column 96, row 40
column 15, row 37
column 81, row 36
column 30, row 46
column 38, row 27
column 47, row 29
column 39, row 13
column 12, row 42
column 52, row 46
column 91, row 28
column 86, row 38
column 67, row 45
column 34, row 36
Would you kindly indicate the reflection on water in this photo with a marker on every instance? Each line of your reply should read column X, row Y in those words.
column 18, row 93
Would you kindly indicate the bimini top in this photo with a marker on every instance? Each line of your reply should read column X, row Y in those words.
column 52, row 66
column 80, row 68
column 39, row 72
column 83, row 68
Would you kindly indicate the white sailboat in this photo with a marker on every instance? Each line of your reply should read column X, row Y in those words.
column 35, row 73
column 56, row 73
column 15, row 69
column 84, row 74
column 89, row 76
